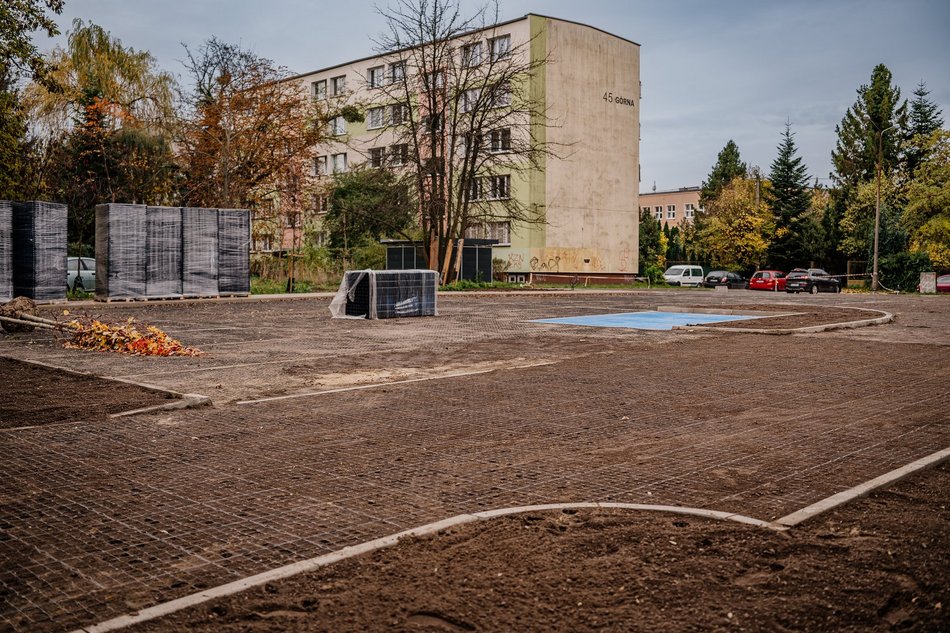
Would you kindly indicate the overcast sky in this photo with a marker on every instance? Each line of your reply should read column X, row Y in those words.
column 711, row 70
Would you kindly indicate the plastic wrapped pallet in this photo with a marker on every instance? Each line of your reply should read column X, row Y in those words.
column 386, row 294
column 199, row 247
column 39, row 250
column 163, row 257
column 120, row 251
column 6, row 250
column 234, row 259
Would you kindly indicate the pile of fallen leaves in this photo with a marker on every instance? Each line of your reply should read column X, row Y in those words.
column 126, row 338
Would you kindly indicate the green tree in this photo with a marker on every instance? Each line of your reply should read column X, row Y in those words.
column 789, row 200
column 877, row 118
column 925, row 119
column 737, row 229
column 727, row 168
column 366, row 205
column 19, row 19
column 13, row 145
column 927, row 214
column 650, row 237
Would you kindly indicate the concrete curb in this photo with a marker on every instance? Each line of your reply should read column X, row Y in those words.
column 886, row 317
column 861, row 490
column 312, row 564
column 182, row 400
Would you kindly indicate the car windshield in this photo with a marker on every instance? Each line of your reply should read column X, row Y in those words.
column 797, row 274
column 674, row 270
column 716, row 273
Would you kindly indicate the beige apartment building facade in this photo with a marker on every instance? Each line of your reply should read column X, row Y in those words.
column 587, row 189
column 674, row 207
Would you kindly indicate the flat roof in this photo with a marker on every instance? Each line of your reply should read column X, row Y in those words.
column 486, row 28
column 680, row 190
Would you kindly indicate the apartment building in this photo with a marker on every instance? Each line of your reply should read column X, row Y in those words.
column 674, row 207
column 587, row 192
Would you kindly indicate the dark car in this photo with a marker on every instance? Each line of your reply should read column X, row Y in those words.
column 943, row 283
column 724, row 278
column 813, row 280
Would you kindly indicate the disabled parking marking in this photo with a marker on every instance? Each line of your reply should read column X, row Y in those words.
column 650, row 320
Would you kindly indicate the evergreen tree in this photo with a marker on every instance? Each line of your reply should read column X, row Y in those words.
column 789, row 200
column 649, row 241
column 866, row 124
column 728, row 166
column 925, row 119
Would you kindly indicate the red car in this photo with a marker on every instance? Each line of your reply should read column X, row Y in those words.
column 943, row 283
column 768, row 280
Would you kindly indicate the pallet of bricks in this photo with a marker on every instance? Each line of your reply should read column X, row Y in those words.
column 171, row 252
column 32, row 251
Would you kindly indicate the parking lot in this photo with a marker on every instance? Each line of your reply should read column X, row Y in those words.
column 326, row 433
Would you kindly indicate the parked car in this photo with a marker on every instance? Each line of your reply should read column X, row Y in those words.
column 684, row 276
column 725, row 278
column 943, row 283
column 81, row 274
column 813, row 280
column 767, row 280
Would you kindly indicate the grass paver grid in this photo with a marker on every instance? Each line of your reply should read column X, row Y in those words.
column 247, row 488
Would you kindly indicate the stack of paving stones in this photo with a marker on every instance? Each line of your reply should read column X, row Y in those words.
column 170, row 252
column 388, row 294
column 234, row 239
column 120, row 251
column 163, row 252
column 6, row 250
column 38, row 250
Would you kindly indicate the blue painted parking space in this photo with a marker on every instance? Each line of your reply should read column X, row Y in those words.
column 645, row 320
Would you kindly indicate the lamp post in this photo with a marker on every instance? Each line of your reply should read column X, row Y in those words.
column 877, row 205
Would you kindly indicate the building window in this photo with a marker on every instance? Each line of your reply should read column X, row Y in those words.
column 435, row 80
column 500, row 187
column 399, row 154
column 337, row 85
column 475, row 189
column 500, row 231
column 671, row 212
column 471, row 143
column 375, row 118
column 374, row 76
column 658, row 212
column 377, row 156
column 432, row 123
column 397, row 72
column 338, row 126
column 398, row 113
column 500, row 47
column 319, row 89
column 501, row 95
column 689, row 210
column 645, row 209
column 339, row 163
column 472, row 55
column 501, row 140
column 321, row 204
column 320, row 166
column 470, row 98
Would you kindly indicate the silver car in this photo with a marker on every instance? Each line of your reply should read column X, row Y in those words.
column 81, row 274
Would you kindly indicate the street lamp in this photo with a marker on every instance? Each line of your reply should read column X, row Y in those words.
column 877, row 206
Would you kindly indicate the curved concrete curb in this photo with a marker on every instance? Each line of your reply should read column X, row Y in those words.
column 886, row 317
column 793, row 519
column 293, row 569
column 181, row 400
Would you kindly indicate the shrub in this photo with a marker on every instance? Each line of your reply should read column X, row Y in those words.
column 902, row 270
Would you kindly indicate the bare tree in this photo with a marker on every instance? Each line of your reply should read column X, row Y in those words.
column 466, row 118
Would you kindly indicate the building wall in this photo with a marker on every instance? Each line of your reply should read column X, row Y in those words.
column 678, row 199
column 592, row 94
column 588, row 191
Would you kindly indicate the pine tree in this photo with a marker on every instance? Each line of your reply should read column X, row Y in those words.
column 728, row 166
column 867, row 123
column 788, row 199
column 925, row 119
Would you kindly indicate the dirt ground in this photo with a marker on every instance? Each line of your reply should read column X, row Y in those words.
column 854, row 569
column 34, row 396
column 378, row 427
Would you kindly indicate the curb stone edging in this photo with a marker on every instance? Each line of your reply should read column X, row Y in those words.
column 172, row 606
column 886, row 317
column 181, row 400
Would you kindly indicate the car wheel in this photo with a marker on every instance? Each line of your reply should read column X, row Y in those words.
column 814, row 289
column 837, row 289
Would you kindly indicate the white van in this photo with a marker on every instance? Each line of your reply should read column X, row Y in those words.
column 684, row 275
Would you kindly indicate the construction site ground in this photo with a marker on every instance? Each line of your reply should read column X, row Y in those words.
column 328, row 433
